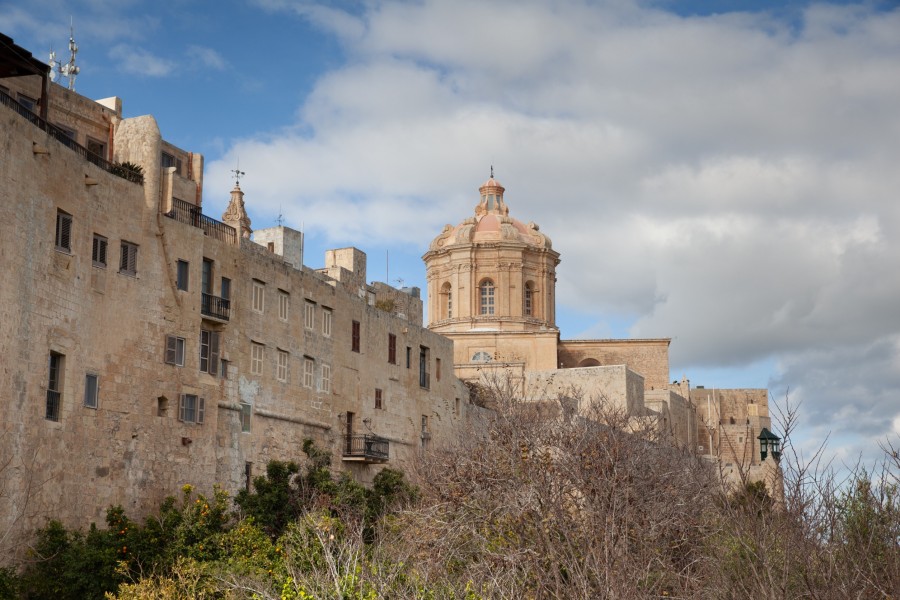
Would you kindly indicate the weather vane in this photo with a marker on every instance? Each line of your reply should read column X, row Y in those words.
column 238, row 173
column 492, row 171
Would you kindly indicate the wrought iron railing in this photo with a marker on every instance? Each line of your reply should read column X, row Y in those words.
column 370, row 448
column 63, row 137
column 189, row 214
column 53, row 405
column 214, row 306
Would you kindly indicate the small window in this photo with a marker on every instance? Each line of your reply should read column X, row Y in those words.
column 182, row 274
column 226, row 288
column 424, row 375
column 281, row 366
column 437, row 369
column 355, row 337
column 96, row 147
column 209, row 352
column 91, row 390
column 326, row 322
column 392, row 348
column 284, row 301
column 169, row 160
column 408, row 357
column 28, row 102
column 128, row 259
column 162, row 406
column 259, row 296
column 271, row 247
column 191, row 409
column 309, row 372
column 325, row 383
column 456, row 406
column 63, row 231
column 174, row 350
column 246, row 411
column 378, row 399
column 256, row 358
column 98, row 252
column 529, row 299
column 309, row 315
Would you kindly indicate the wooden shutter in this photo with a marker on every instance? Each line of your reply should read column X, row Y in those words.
column 172, row 350
column 201, row 409
column 181, row 408
column 213, row 352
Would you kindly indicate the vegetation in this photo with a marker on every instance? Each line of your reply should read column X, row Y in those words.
column 546, row 503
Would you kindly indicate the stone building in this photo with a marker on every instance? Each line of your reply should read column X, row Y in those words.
column 492, row 290
column 147, row 345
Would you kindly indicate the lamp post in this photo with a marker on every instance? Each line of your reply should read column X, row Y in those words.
column 769, row 442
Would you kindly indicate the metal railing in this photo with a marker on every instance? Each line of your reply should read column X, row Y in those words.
column 189, row 214
column 61, row 136
column 214, row 306
column 370, row 448
column 53, row 399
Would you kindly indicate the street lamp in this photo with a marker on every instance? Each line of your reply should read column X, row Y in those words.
column 768, row 441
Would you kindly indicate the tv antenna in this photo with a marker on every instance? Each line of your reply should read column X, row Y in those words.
column 280, row 219
column 68, row 70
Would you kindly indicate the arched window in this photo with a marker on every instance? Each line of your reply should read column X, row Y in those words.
column 481, row 357
column 487, row 297
column 446, row 301
column 528, row 307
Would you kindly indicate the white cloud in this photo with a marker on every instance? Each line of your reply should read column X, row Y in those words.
column 202, row 57
column 138, row 61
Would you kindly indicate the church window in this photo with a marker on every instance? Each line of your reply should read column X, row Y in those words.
column 487, row 297
column 481, row 357
column 446, row 301
column 529, row 299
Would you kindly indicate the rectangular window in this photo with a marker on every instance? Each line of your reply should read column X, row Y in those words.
column 408, row 357
column 284, row 301
column 309, row 372
column 209, row 352
column 355, row 337
column 392, row 348
column 91, row 390
column 378, row 399
column 226, row 288
column 128, row 259
column 191, row 409
column 98, row 252
column 256, row 358
column 325, row 383
column 424, row 376
column 437, row 369
column 168, row 160
column 28, row 102
column 309, row 315
column 326, row 322
column 174, row 350
column 246, row 411
column 182, row 274
column 96, row 147
column 54, row 386
column 63, row 231
column 281, row 366
column 259, row 296
column 206, row 277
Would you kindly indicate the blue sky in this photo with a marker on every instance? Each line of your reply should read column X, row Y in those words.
column 719, row 172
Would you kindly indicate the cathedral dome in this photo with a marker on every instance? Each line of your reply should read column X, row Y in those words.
column 491, row 223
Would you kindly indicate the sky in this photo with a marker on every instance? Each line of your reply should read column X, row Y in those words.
column 721, row 173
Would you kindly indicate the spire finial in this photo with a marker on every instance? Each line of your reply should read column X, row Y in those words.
column 492, row 171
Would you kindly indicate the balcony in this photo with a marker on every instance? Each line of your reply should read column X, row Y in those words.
column 63, row 138
column 215, row 307
column 365, row 448
column 189, row 214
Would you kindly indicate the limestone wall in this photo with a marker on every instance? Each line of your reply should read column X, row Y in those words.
column 648, row 357
column 616, row 384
